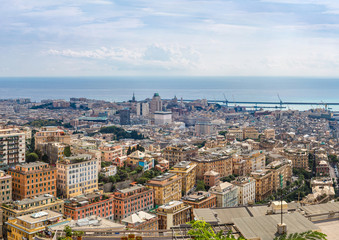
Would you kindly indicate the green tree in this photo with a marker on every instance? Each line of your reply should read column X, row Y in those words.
column 310, row 235
column 32, row 157
column 200, row 186
column 45, row 158
column 202, row 231
column 67, row 151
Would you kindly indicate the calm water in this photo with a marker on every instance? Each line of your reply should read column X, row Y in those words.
column 213, row 88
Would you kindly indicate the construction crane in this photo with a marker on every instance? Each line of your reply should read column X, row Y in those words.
column 281, row 103
column 226, row 101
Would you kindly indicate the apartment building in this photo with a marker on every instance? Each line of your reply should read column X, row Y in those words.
column 237, row 133
column 250, row 133
column 131, row 200
column 178, row 153
column 174, row 213
column 240, row 166
column 141, row 221
column 110, row 152
column 255, row 160
column 32, row 205
column 33, row 179
column 188, row 171
column 263, row 184
column 167, row 187
column 299, row 157
column 90, row 204
column 279, row 168
column 246, row 190
column 52, row 134
column 138, row 158
column 77, row 175
column 211, row 178
column 12, row 146
column 226, row 193
column 5, row 187
column 28, row 226
column 216, row 162
column 54, row 150
column 201, row 199
column 269, row 133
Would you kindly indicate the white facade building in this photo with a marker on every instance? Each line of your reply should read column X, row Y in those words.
column 77, row 175
column 162, row 118
column 246, row 190
column 12, row 146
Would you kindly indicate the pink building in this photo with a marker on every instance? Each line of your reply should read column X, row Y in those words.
column 110, row 152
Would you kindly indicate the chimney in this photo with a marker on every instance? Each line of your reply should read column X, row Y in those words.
column 281, row 228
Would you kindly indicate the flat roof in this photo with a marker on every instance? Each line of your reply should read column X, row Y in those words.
column 330, row 228
column 220, row 215
column 49, row 215
column 321, row 208
column 130, row 189
column 265, row 227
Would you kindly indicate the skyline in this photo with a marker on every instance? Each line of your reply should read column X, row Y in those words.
column 177, row 38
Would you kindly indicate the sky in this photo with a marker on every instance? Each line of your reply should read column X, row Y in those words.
column 169, row 38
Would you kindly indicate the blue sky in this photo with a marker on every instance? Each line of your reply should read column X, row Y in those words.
column 177, row 37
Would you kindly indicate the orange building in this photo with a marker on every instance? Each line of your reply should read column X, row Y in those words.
column 90, row 204
column 110, row 152
column 131, row 200
column 201, row 199
column 33, row 179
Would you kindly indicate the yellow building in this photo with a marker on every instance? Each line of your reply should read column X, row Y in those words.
column 216, row 162
column 173, row 214
column 251, row 133
column 28, row 226
column 178, row 153
column 167, row 187
column 269, row 133
column 52, row 134
column 280, row 167
column 32, row 205
column 188, row 171
column 236, row 132
column 263, row 184
column 77, row 175
column 255, row 160
column 299, row 157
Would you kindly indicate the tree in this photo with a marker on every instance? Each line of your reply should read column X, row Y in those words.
column 32, row 157
column 310, row 235
column 67, row 151
column 200, row 186
column 45, row 158
column 202, row 230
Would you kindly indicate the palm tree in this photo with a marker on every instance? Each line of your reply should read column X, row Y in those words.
column 309, row 235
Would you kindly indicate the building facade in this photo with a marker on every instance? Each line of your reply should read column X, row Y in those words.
column 33, row 179
column 174, row 213
column 226, row 193
column 90, row 204
column 167, row 187
column 131, row 200
column 77, row 175
column 246, row 190
column 5, row 187
column 201, row 199
column 188, row 171
column 207, row 162
column 178, row 153
column 32, row 205
column 141, row 221
column 52, row 134
column 263, row 184
column 12, row 146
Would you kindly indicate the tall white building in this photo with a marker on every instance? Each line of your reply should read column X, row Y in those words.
column 143, row 109
column 12, row 146
column 227, row 194
column 246, row 190
column 77, row 175
column 156, row 103
column 162, row 118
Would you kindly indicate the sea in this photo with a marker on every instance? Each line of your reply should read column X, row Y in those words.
column 119, row 89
